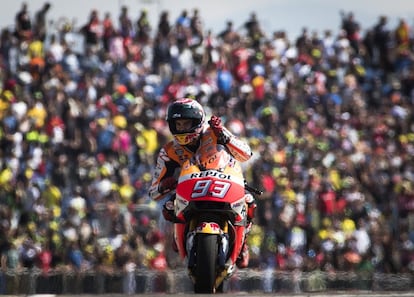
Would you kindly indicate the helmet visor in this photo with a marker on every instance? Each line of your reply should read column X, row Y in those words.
column 194, row 125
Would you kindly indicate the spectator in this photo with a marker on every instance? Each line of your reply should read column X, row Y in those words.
column 331, row 131
column 108, row 31
column 40, row 22
column 23, row 23
column 254, row 31
column 143, row 28
column 164, row 25
column 196, row 29
column 229, row 35
column 126, row 27
column 352, row 30
column 382, row 41
column 92, row 31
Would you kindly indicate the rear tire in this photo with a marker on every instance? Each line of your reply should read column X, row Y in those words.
column 206, row 259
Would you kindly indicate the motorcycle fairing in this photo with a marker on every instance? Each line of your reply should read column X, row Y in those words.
column 211, row 201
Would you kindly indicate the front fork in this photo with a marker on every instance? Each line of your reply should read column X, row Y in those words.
column 208, row 228
column 224, row 242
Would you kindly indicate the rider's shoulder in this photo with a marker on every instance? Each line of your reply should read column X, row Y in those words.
column 169, row 145
column 207, row 130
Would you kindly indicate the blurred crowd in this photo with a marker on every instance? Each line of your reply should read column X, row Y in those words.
column 329, row 117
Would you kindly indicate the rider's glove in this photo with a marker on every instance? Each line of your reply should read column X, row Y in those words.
column 217, row 127
column 251, row 206
column 167, row 184
column 168, row 211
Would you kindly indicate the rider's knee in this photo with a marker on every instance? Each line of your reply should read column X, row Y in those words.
column 251, row 206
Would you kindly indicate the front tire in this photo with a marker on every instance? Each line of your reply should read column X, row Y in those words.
column 206, row 259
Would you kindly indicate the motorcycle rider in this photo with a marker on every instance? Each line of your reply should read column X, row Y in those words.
column 186, row 121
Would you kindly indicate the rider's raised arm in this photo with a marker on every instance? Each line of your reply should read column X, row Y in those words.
column 240, row 150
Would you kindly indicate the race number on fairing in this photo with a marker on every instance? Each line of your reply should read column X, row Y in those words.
column 207, row 187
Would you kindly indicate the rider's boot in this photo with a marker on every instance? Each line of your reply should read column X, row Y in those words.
column 243, row 259
column 244, row 256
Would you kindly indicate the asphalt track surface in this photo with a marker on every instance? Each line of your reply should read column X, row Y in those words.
column 324, row 294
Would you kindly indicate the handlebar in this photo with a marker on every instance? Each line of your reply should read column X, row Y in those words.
column 253, row 190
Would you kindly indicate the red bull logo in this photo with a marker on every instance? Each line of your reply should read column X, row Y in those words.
column 209, row 228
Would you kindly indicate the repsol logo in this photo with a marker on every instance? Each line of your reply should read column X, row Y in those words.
column 212, row 173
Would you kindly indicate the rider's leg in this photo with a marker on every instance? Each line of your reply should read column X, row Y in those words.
column 243, row 259
column 166, row 206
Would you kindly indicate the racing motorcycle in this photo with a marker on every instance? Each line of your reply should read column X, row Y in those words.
column 211, row 216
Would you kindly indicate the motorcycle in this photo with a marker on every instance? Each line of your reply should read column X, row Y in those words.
column 211, row 216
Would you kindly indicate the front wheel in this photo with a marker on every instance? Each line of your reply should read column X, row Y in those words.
column 206, row 262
